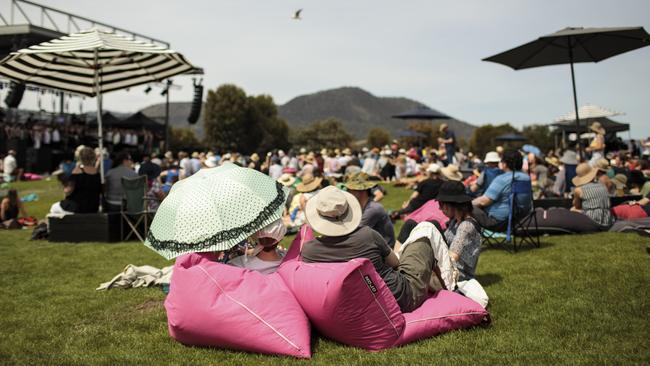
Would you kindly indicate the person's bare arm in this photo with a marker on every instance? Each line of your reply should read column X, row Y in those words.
column 3, row 207
column 392, row 260
column 482, row 201
column 577, row 200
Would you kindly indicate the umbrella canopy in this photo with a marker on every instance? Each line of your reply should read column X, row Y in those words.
column 588, row 112
column 140, row 120
column 531, row 149
column 73, row 63
column 609, row 125
column 421, row 112
column 572, row 45
column 510, row 137
column 91, row 63
column 108, row 119
column 214, row 210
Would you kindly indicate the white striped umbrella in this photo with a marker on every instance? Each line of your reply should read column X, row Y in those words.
column 91, row 63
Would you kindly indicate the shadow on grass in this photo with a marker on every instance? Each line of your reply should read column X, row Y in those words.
column 488, row 279
column 520, row 248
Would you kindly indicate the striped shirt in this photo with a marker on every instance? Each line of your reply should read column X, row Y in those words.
column 595, row 203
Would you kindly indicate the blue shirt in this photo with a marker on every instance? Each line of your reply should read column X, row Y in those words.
column 499, row 193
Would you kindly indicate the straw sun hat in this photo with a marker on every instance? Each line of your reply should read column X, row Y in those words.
column 597, row 127
column 308, row 184
column 333, row 212
column 286, row 180
column 358, row 182
column 585, row 173
column 451, row 172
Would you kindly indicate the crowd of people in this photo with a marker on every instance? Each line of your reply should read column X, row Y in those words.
column 455, row 197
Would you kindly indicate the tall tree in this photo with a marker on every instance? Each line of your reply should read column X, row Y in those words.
column 483, row 138
column 378, row 137
column 329, row 133
column 540, row 136
column 183, row 138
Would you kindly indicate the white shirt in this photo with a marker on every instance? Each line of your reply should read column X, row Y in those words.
column 56, row 136
column 9, row 164
column 47, row 137
column 275, row 171
column 256, row 264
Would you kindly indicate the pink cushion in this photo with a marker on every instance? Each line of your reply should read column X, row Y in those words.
column 347, row 302
column 440, row 313
column 212, row 304
column 429, row 211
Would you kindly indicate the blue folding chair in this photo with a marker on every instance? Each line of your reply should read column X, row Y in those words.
column 521, row 219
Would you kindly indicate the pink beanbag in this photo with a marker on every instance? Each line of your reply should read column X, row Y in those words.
column 347, row 302
column 429, row 211
column 212, row 304
column 443, row 312
column 350, row 303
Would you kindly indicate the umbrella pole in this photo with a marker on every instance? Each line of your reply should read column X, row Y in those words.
column 100, row 134
column 575, row 98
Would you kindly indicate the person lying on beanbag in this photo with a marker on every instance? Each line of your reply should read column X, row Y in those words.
column 336, row 215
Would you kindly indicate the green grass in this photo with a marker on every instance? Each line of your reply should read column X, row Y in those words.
column 577, row 300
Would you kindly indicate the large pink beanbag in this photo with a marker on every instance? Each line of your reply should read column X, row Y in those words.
column 212, row 304
column 350, row 303
column 429, row 211
column 347, row 302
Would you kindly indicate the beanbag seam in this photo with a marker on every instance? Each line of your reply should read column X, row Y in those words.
column 380, row 307
column 248, row 309
column 442, row 317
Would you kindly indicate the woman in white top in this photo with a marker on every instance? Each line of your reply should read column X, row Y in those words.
column 597, row 145
column 266, row 256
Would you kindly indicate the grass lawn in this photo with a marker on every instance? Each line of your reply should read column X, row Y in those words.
column 577, row 300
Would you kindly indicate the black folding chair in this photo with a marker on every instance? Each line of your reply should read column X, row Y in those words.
column 135, row 212
column 520, row 224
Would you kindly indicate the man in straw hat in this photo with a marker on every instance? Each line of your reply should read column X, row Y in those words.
column 451, row 172
column 491, row 209
column 374, row 215
column 336, row 215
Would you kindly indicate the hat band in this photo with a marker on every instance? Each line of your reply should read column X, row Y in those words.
column 337, row 217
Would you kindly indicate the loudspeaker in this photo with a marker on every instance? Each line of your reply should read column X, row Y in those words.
column 15, row 94
column 197, row 103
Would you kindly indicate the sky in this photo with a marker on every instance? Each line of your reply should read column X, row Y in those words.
column 429, row 51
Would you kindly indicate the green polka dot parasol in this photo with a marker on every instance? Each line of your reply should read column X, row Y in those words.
column 215, row 209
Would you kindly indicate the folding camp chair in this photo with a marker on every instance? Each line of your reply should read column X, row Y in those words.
column 520, row 224
column 134, row 210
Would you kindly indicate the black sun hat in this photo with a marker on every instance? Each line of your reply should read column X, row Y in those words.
column 453, row 192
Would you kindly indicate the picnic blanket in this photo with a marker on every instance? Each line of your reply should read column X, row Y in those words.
column 639, row 226
column 139, row 276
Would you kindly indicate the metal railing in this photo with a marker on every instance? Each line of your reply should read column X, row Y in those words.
column 21, row 11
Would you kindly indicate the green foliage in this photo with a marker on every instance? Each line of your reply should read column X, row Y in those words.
column 183, row 138
column 556, row 305
column 540, row 136
column 378, row 137
column 237, row 122
column 430, row 130
column 329, row 133
column 483, row 138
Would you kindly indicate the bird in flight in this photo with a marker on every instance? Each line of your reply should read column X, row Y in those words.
column 296, row 15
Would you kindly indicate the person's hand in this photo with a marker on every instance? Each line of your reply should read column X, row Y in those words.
column 405, row 204
column 633, row 203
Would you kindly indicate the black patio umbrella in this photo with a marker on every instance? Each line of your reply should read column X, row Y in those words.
column 572, row 45
column 410, row 133
column 421, row 112
column 510, row 137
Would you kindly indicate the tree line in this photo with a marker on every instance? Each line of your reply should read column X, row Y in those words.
column 235, row 121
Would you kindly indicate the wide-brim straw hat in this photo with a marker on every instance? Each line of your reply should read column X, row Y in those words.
column 333, row 212
column 620, row 181
column 585, row 174
column 358, row 182
column 602, row 165
column 597, row 127
column 451, row 172
column 552, row 161
column 309, row 184
column 287, row 180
